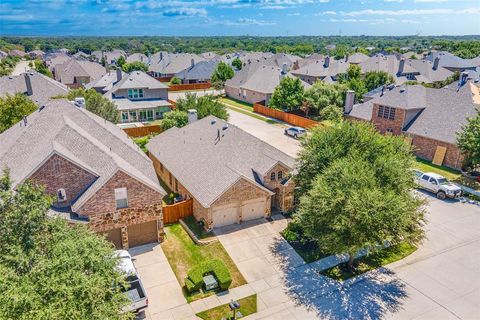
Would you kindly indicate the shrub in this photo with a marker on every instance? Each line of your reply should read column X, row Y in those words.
column 194, row 280
column 175, row 80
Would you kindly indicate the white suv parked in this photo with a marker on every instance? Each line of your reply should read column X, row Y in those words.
column 438, row 184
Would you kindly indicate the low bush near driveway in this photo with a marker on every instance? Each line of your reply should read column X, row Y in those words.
column 194, row 281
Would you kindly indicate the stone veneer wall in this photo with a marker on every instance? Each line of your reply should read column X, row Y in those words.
column 284, row 198
column 59, row 173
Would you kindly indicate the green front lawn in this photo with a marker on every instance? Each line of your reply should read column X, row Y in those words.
column 248, row 306
column 183, row 254
column 371, row 262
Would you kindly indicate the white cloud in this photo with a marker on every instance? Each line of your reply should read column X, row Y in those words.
column 371, row 12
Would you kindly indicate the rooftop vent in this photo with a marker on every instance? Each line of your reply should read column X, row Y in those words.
column 80, row 102
column 225, row 127
column 213, row 122
column 402, row 90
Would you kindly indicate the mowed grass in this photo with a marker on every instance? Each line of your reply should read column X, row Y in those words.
column 248, row 306
column 237, row 103
column 183, row 254
column 371, row 262
column 426, row 166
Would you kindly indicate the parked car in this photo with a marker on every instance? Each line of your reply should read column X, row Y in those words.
column 437, row 184
column 295, row 132
column 134, row 289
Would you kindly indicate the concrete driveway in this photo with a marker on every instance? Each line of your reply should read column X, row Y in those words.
column 439, row 281
column 270, row 133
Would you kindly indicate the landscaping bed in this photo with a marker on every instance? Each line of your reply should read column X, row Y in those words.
column 184, row 255
column 248, row 306
column 306, row 249
column 198, row 230
column 370, row 262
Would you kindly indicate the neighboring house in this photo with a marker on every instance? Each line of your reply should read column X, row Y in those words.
column 139, row 97
column 356, row 58
column 36, row 54
column 328, row 69
column 231, row 175
column 38, row 87
column 428, row 118
column 77, row 73
column 17, row 53
column 111, row 57
column 211, row 56
column 256, row 82
column 81, row 55
column 106, row 82
column 452, row 62
column 165, row 65
column 140, row 57
column 54, row 59
column 200, row 72
column 95, row 173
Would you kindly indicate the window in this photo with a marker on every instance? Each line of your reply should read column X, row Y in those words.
column 133, row 115
column 280, row 175
column 140, row 93
column 425, row 177
column 389, row 130
column 61, row 195
column 176, row 185
column 121, row 199
column 386, row 112
column 380, row 111
column 170, row 179
column 135, row 93
column 433, row 181
column 124, row 116
column 272, row 176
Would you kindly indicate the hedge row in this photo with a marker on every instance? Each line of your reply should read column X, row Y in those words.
column 194, row 279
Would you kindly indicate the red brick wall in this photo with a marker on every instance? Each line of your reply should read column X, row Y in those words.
column 425, row 148
column 139, row 195
column 60, row 173
column 383, row 124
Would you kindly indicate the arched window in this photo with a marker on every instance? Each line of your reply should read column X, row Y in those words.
column 280, row 175
column 272, row 176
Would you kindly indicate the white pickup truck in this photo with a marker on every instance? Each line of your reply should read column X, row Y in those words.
column 437, row 184
column 134, row 290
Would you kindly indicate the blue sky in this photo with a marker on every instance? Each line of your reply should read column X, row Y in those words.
column 239, row 17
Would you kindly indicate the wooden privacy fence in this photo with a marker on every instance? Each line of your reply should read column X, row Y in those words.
column 142, row 131
column 174, row 212
column 189, row 86
column 290, row 118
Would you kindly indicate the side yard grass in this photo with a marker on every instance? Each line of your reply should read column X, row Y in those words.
column 183, row 254
column 200, row 232
column 248, row 306
column 371, row 262
column 236, row 103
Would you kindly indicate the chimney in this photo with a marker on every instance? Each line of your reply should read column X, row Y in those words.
column 463, row 78
column 346, row 57
column 192, row 115
column 28, row 83
column 284, row 68
column 436, row 61
column 161, row 56
column 192, row 62
column 141, row 58
column 119, row 74
column 80, row 102
column 349, row 101
column 326, row 62
column 401, row 65
column 296, row 65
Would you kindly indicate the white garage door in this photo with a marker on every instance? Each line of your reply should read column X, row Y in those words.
column 224, row 215
column 253, row 209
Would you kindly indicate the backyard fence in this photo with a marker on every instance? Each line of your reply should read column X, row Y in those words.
column 189, row 86
column 174, row 212
column 290, row 118
column 136, row 132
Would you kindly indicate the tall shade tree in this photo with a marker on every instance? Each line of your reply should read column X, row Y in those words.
column 326, row 99
column 13, row 108
column 375, row 79
column 222, row 73
column 353, row 80
column 96, row 103
column 175, row 118
column 121, row 61
column 49, row 269
column 356, row 189
column 205, row 106
column 288, row 95
column 468, row 141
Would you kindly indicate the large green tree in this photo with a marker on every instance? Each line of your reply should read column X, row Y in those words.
column 49, row 269
column 222, row 73
column 42, row 68
column 353, row 80
column 375, row 79
column 288, row 95
column 205, row 106
column 356, row 189
column 237, row 63
column 175, row 118
column 13, row 108
column 468, row 141
column 96, row 103
column 134, row 66
column 325, row 99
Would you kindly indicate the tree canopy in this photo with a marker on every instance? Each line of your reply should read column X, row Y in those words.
column 375, row 79
column 326, row 99
column 175, row 118
column 13, row 108
column 96, row 103
column 222, row 73
column 468, row 141
column 49, row 269
column 288, row 95
column 205, row 106
column 42, row 68
column 175, row 80
column 355, row 186
column 121, row 61
column 237, row 63
column 134, row 66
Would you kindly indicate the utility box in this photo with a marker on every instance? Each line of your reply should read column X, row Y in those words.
column 210, row 282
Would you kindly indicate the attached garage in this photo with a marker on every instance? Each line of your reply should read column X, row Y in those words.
column 114, row 236
column 225, row 215
column 142, row 233
column 253, row 209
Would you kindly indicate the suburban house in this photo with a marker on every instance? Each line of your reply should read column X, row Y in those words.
column 38, row 87
column 326, row 69
column 231, row 175
column 111, row 57
column 77, row 73
column 106, row 82
column 137, row 57
column 94, row 172
column 139, row 97
column 17, row 53
column 452, row 62
column 36, row 54
column 81, row 55
column 200, row 72
column 428, row 118
column 54, row 59
column 256, row 82
column 164, row 65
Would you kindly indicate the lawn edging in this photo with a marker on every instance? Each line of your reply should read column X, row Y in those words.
column 192, row 235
